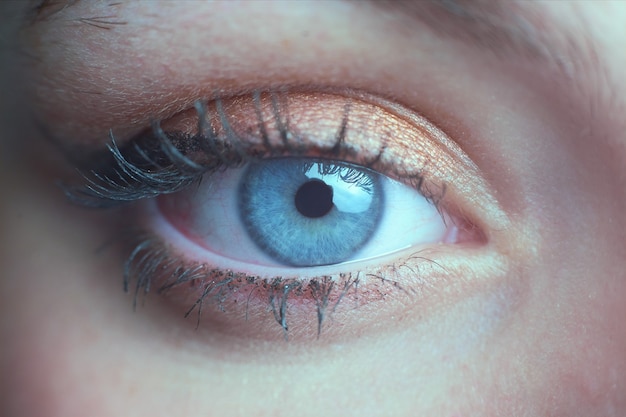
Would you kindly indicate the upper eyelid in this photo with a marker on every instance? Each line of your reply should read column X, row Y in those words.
column 103, row 189
column 97, row 192
column 421, row 105
column 206, row 135
column 97, row 83
column 437, row 96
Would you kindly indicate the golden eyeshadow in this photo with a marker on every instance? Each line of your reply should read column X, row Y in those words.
column 377, row 133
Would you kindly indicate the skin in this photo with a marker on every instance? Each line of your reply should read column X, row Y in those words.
column 544, row 337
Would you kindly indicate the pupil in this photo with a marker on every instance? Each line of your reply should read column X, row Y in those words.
column 314, row 198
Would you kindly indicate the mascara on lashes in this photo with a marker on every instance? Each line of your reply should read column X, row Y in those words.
column 157, row 163
column 163, row 162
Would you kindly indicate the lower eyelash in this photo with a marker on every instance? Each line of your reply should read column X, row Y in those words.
column 150, row 267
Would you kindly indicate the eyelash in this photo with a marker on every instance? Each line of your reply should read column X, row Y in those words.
column 149, row 257
column 157, row 162
column 140, row 170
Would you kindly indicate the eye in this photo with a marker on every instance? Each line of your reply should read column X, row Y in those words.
column 288, row 214
column 302, row 212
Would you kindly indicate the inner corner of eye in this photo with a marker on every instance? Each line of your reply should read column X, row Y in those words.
column 300, row 213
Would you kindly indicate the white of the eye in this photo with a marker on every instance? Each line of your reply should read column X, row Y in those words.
column 210, row 215
column 408, row 219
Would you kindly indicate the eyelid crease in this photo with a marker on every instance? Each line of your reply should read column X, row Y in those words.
column 354, row 127
column 172, row 163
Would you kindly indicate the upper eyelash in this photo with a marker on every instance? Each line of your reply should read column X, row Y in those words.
column 158, row 162
column 141, row 170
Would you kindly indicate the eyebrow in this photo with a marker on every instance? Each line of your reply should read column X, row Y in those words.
column 507, row 29
column 522, row 32
column 504, row 27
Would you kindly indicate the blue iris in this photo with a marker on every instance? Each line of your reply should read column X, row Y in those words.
column 305, row 212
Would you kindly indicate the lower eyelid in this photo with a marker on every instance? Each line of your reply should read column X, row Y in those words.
column 251, row 305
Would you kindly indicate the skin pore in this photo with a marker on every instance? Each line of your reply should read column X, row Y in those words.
column 529, row 324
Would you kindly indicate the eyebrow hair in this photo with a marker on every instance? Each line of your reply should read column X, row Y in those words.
column 522, row 32
column 507, row 29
